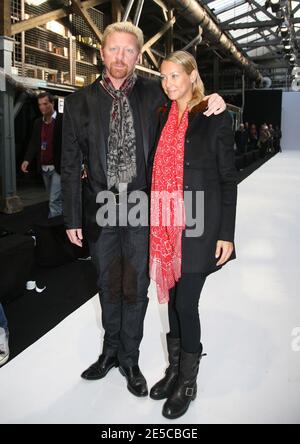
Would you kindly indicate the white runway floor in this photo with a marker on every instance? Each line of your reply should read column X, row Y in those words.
column 249, row 312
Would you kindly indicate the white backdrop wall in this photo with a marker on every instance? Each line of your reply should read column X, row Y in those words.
column 290, row 121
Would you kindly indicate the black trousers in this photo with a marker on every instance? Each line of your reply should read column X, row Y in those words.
column 183, row 311
column 121, row 259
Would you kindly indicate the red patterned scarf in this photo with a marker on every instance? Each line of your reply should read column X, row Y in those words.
column 167, row 206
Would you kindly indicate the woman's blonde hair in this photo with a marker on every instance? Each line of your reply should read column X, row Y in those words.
column 189, row 64
column 124, row 27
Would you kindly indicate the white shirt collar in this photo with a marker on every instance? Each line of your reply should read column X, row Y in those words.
column 53, row 116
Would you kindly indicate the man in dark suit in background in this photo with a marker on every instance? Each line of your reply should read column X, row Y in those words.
column 45, row 146
column 110, row 126
column 241, row 139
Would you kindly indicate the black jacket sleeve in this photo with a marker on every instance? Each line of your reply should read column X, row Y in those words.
column 71, row 162
column 35, row 142
column 228, row 177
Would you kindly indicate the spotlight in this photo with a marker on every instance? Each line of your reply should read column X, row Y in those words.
column 284, row 30
column 275, row 5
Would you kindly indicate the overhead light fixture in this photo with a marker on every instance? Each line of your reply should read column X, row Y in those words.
column 284, row 30
column 275, row 5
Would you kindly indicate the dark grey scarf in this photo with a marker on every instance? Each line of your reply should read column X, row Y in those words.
column 121, row 156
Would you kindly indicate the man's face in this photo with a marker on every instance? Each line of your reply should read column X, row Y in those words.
column 120, row 54
column 45, row 106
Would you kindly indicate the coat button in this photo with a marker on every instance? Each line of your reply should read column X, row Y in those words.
column 186, row 187
column 187, row 140
column 187, row 164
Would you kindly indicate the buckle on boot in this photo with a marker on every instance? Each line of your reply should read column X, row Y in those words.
column 189, row 391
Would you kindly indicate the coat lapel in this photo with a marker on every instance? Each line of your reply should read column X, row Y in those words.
column 144, row 120
column 195, row 119
column 163, row 113
column 97, row 117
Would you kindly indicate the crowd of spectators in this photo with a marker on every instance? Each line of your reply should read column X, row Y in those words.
column 266, row 138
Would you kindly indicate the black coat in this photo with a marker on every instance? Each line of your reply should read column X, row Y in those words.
column 34, row 146
column 84, row 141
column 209, row 166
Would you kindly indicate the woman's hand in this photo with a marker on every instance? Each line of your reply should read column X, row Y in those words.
column 224, row 250
column 216, row 104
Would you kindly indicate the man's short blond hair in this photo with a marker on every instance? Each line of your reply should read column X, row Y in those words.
column 124, row 27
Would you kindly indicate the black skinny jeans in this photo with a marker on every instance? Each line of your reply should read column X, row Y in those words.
column 183, row 311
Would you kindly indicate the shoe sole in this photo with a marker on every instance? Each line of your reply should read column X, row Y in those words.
column 179, row 414
column 176, row 416
column 100, row 377
column 139, row 395
column 4, row 360
column 158, row 398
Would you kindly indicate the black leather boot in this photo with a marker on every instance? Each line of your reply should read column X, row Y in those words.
column 136, row 382
column 185, row 389
column 163, row 388
column 100, row 368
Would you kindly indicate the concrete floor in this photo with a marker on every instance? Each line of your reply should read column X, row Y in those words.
column 250, row 312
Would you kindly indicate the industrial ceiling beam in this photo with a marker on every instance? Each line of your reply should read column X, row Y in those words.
column 127, row 10
column 228, row 8
column 256, row 24
column 196, row 14
column 163, row 7
column 138, row 12
column 5, row 20
column 79, row 10
column 158, row 36
column 153, row 58
column 238, row 17
column 274, row 42
column 117, row 10
column 57, row 14
column 245, row 36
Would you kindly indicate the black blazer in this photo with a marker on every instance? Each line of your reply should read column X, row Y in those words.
column 209, row 166
column 34, row 146
column 84, row 142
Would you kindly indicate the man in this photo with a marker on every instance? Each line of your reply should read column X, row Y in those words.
column 45, row 146
column 4, row 348
column 277, row 137
column 241, row 139
column 110, row 126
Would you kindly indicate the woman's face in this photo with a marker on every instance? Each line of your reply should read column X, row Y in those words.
column 176, row 83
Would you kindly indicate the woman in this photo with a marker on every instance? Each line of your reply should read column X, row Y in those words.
column 194, row 153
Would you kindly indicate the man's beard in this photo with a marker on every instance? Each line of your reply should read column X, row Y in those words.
column 118, row 72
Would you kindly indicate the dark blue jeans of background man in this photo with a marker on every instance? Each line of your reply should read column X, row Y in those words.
column 3, row 320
